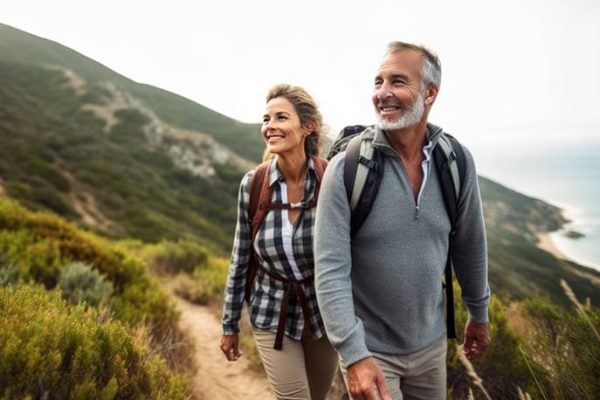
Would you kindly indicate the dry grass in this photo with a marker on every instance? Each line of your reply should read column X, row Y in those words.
column 532, row 374
column 522, row 395
column 579, row 307
column 477, row 381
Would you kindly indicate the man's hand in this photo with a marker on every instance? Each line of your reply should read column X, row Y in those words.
column 365, row 381
column 230, row 347
column 477, row 339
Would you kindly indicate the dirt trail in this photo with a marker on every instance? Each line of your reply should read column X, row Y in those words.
column 217, row 379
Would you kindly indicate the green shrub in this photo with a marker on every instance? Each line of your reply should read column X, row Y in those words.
column 206, row 283
column 8, row 273
column 503, row 368
column 173, row 257
column 80, row 283
column 38, row 244
column 51, row 349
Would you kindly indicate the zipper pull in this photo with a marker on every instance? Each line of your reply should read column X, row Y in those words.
column 417, row 212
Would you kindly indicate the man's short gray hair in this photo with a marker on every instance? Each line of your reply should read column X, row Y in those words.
column 431, row 72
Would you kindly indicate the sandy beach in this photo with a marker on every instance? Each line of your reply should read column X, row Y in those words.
column 548, row 245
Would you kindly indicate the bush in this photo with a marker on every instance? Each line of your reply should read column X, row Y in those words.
column 206, row 283
column 173, row 257
column 80, row 283
column 504, row 368
column 8, row 273
column 51, row 349
column 38, row 244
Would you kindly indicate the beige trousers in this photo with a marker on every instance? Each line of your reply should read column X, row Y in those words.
column 302, row 370
column 416, row 376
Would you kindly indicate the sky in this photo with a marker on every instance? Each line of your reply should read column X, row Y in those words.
column 518, row 75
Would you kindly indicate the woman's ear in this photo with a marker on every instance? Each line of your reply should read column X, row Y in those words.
column 309, row 128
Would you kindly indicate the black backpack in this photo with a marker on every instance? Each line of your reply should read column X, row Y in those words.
column 362, row 175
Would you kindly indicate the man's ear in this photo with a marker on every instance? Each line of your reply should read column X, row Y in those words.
column 431, row 94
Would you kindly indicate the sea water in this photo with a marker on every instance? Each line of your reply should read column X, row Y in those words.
column 567, row 177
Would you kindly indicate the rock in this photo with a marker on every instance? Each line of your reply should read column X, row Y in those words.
column 573, row 234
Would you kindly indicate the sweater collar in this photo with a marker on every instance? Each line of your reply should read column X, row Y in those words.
column 381, row 141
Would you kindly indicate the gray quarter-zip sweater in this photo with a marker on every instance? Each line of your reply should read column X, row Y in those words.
column 382, row 291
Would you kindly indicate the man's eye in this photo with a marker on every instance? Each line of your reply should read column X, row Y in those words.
column 282, row 117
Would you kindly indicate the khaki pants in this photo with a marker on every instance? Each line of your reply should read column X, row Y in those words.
column 302, row 370
column 416, row 376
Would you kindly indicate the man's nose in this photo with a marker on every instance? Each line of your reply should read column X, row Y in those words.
column 383, row 92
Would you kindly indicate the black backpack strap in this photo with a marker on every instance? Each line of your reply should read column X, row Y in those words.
column 362, row 176
column 449, row 160
column 351, row 164
column 450, row 163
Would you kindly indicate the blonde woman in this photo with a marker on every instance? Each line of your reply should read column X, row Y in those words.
column 286, row 322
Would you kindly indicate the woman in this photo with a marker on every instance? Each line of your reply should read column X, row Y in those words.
column 286, row 323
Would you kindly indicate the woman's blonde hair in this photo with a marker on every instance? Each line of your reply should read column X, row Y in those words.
column 307, row 110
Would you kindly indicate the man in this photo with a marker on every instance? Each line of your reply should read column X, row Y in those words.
column 380, row 292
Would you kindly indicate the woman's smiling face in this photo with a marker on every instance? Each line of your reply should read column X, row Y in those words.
column 281, row 128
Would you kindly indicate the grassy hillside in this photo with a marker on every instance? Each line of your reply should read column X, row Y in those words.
column 20, row 47
column 56, row 155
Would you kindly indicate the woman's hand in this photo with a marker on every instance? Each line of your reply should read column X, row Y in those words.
column 230, row 346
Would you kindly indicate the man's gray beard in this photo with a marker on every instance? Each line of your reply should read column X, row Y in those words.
column 409, row 118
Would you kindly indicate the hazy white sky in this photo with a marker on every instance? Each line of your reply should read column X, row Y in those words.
column 518, row 72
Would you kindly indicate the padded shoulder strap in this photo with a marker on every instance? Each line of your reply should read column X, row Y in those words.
column 351, row 165
column 320, row 164
column 447, row 146
column 260, row 194
column 259, row 191
column 449, row 160
column 362, row 176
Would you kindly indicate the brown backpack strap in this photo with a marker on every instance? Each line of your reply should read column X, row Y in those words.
column 291, row 286
column 260, row 197
column 319, row 164
column 256, row 214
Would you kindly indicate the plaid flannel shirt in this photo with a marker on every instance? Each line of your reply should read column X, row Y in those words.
column 267, row 293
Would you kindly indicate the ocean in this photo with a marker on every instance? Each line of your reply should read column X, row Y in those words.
column 567, row 177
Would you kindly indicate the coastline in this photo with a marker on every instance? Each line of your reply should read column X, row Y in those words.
column 547, row 244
